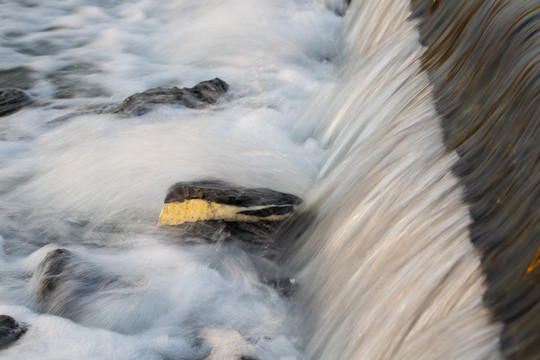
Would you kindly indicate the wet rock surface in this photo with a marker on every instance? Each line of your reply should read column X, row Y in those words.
column 10, row 331
column 202, row 94
column 63, row 280
column 225, row 193
column 12, row 100
column 219, row 211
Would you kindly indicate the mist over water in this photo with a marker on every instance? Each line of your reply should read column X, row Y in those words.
column 338, row 110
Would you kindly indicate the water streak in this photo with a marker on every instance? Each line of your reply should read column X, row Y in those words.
column 388, row 267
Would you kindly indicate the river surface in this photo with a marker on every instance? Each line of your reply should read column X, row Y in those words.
column 337, row 110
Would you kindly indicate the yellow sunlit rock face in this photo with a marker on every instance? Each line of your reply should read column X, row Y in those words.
column 176, row 213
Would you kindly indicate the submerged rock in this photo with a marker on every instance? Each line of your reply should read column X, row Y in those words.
column 19, row 77
column 202, row 94
column 284, row 286
column 12, row 100
column 10, row 330
column 76, row 81
column 63, row 280
column 216, row 210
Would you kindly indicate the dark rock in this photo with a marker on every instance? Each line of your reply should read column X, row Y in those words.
column 10, row 331
column 224, row 193
column 18, row 77
column 63, row 281
column 284, row 286
column 339, row 7
column 12, row 100
column 215, row 210
column 202, row 94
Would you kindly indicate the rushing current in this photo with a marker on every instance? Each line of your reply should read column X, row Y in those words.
column 330, row 102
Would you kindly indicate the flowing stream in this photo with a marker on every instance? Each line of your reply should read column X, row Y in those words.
column 335, row 109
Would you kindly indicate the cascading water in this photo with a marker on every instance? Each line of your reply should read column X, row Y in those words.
column 337, row 110
column 388, row 267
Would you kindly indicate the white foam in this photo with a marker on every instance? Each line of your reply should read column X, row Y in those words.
column 73, row 178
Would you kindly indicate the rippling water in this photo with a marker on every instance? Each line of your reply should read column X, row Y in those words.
column 410, row 129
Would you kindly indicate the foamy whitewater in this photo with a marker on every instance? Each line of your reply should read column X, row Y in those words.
column 332, row 109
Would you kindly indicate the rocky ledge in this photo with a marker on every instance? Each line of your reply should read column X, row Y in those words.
column 202, row 94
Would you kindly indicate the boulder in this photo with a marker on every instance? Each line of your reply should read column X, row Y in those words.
column 12, row 100
column 202, row 94
column 216, row 210
column 63, row 281
column 10, row 331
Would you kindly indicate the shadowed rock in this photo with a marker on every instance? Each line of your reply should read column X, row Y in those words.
column 12, row 100
column 339, row 7
column 215, row 210
column 10, row 331
column 202, row 94
column 228, row 194
column 284, row 286
column 63, row 281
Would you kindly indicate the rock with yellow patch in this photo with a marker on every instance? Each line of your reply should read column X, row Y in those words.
column 216, row 210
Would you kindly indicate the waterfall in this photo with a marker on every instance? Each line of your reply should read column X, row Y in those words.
column 388, row 266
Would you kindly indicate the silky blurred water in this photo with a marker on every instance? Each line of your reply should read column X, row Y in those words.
column 74, row 176
column 336, row 110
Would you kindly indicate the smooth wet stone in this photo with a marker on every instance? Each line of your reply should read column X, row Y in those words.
column 228, row 194
column 63, row 280
column 202, row 94
column 12, row 100
column 216, row 210
column 10, row 331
